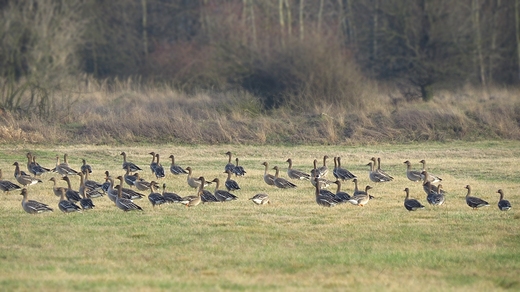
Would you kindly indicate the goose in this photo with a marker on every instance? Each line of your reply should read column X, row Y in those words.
column 193, row 182
column 130, row 178
column 343, row 196
column 229, row 166
column 126, row 164
column 238, row 170
column 357, row 191
column 106, row 185
column 296, row 174
column 412, row 175
column 474, row 202
column 33, row 207
column 23, row 178
column 66, row 206
column 71, row 194
column 170, row 197
column 428, row 184
column 437, row 198
column 268, row 178
column 320, row 171
column 92, row 184
column 323, row 200
column 153, row 164
column 341, row 173
column 192, row 201
column 63, row 168
column 56, row 189
column 260, row 199
column 129, row 193
column 503, row 204
column 361, row 199
column 7, row 186
column 89, row 192
column 33, row 167
column 432, row 178
column 111, row 191
column 140, row 183
column 377, row 176
column 324, row 183
column 154, row 197
column 222, row 195
column 280, row 182
column 86, row 201
column 411, row 204
column 230, row 184
column 85, row 167
column 175, row 169
column 379, row 170
column 124, row 203
column 208, row 197
column 159, row 169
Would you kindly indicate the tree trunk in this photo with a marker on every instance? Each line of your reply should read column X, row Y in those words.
column 350, row 23
column 494, row 31
column 289, row 18
column 517, row 22
column 253, row 23
column 375, row 29
column 301, row 20
column 320, row 16
column 145, row 35
column 282, row 22
column 478, row 41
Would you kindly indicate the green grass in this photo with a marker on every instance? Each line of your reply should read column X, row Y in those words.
column 292, row 244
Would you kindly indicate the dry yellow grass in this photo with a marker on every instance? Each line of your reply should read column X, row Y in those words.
column 291, row 245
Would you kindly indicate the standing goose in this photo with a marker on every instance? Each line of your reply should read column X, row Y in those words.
column 412, row 175
column 170, row 197
column 63, row 168
column 106, row 185
column 140, row 183
column 88, row 190
column 437, row 198
column 377, row 176
column 153, row 164
column 85, row 167
column 23, row 178
column 208, row 197
column 320, row 171
column 126, row 164
column 33, row 207
column 222, row 195
column 159, row 169
column 92, row 184
column 361, row 199
column 154, row 197
column 280, row 182
column 341, row 173
column 7, row 186
column 33, row 167
column 130, row 178
column 503, row 204
column 379, row 170
column 268, row 178
column 296, row 174
column 321, row 199
column 56, row 189
column 193, row 182
column 71, row 194
column 192, row 201
column 427, row 183
column 230, row 184
column 124, row 203
column 229, row 166
column 411, row 204
column 343, row 196
column 67, row 206
column 86, row 201
column 432, row 178
column 238, row 170
column 357, row 191
column 324, row 183
column 260, row 199
column 474, row 202
column 174, row 168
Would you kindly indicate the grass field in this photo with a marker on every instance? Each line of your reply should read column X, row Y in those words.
column 290, row 245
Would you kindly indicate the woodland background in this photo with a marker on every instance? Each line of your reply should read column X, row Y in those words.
column 250, row 71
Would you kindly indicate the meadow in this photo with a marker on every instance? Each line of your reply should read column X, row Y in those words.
column 290, row 245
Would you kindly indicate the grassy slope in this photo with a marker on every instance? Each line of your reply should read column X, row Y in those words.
column 292, row 244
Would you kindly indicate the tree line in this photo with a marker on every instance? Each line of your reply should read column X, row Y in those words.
column 283, row 51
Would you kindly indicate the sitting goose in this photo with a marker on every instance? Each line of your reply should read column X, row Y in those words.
column 130, row 178
column 193, row 182
column 341, row 173
column 154, row 197
column 361, row 199
column 71, row 194
column 320, row 171
column 412, row 175
column 324, row 183
column 222, row 195
column 124, row 203
column 33, row 167
column 323, row 200
column 67, row 206
column 7, row 186
column 126, row 164
column 23, row 178
column 140, row 183
column 295, row 173
column 56, row 189
column 474, row 202
column 432, row 178
column 377, row 176
column 174, row 168
column 280, row 182
column 357, row 191
column 192, row 201
column 260, row 199
column 238, row 170
column 503, row 204
column 89, row 191
column 343, row 196
column 230, row 184
column 33, row 207
column 170, row 197
column 379, row 170
column 92, row 184
column 436, row 198
column 411, row 204
column 85, row 167
column 268, row 178
column 427, row 184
